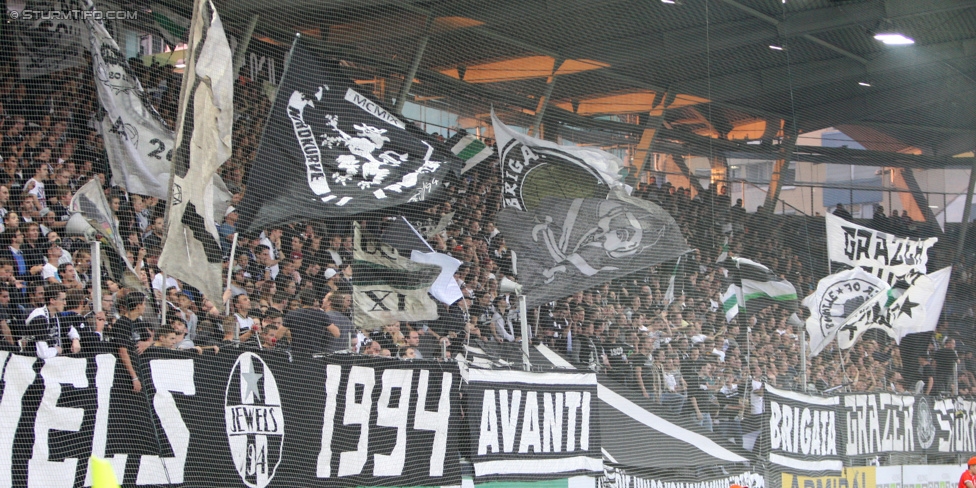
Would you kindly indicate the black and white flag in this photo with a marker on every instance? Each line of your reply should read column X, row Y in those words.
column 915, row 309
column 138, row 141
column 192, row 250
column 531, row 426
column 837, row 298
column 90, row 202
column 330, row 150
column 533, row 169
column 387, row 287
column 886, row 256
column 567, row 245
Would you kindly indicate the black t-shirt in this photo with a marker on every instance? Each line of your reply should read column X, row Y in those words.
column 126, row 333
column 689, row 370
column 617, row 356
column 944, row 360
column 307, row 327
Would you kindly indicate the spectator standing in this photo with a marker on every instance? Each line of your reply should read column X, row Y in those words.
column 51, row 336
column 340, row 325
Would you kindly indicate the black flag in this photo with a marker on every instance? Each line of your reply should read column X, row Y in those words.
column 568, row 245
column 329, row 150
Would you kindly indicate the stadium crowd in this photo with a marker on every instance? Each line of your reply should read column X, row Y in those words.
column 291, row 288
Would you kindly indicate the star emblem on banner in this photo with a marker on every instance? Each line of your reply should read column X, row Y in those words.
column 252, row 384
column 907, row 306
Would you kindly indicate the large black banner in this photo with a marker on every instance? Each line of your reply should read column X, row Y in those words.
column 241, row 418
column 802, row 431
column 529, row 426
column 812, row 433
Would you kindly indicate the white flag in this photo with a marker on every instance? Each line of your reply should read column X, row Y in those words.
column 445, row 288
column 919, row 308
column 138, row 141
column 837, row 298
column 90, row 202
column 192, row 250
column 884, row 255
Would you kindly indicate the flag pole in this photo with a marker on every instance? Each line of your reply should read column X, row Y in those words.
column 96, row 275
column 523, row 318
column 803, row 359
column 284, row 73
column 230, row 270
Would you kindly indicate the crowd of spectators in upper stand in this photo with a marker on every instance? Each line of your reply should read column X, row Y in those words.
column 291, row 283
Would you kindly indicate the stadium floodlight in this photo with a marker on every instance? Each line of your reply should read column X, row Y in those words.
column 894, row 38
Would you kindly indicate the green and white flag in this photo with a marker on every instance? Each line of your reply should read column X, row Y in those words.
column 730, row 302
column 387, row 287
column 172, row 26
column 470, row 149
column 760, row 283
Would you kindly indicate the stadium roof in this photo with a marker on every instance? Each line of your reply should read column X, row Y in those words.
column 711, row 65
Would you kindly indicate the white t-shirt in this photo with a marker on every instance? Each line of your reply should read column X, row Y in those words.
column 50, row 271
column 244, row 323
column 37, row 191
column 756, row 398
column 274, row 255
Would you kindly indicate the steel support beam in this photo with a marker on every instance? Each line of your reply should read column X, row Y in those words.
column 540, row 108
column 882, row 102
column 747, row 84
column 783, row 162
column 778, row 23
column 831, row 18
column 414, row 66
column 908, row 178
column 966, row 215
column 655, row 119
column 916, row 127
